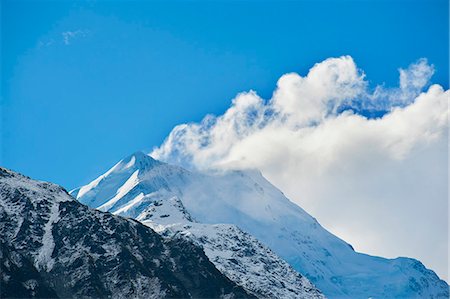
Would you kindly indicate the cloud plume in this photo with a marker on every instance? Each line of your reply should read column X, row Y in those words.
column 369, row 163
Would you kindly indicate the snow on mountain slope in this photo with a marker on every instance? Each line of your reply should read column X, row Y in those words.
column 248, row 200
column 51, row 246
column 235, row 253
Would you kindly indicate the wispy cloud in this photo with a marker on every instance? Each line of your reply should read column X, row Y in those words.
column 69, row 36
column 368, row 179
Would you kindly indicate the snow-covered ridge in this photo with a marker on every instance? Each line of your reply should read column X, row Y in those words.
column 22, row 183
column 51, row 246
column 246, row 199
column 238, row 255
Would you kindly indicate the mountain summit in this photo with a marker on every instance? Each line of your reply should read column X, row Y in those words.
column 246, row 199
column 150, row 192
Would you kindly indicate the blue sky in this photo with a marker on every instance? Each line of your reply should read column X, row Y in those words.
column 87, row 83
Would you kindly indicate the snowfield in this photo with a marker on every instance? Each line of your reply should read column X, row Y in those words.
column 238, row 255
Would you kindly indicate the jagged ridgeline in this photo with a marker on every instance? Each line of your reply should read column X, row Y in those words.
column 54, row 247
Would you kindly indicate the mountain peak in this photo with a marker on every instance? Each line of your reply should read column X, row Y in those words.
column 45, row 235
column 246, row 199
column 139, row 160
column 126, row 170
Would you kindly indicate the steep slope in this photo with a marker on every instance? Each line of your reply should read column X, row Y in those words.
column 238, row 255
column 53, row 246
column 246, row 199
column 235, row 253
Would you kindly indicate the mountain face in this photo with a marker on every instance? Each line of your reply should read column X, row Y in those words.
column 135, row 187
column 238, row 255
column 53, row 246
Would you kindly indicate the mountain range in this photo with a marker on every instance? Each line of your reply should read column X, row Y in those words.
column 245, row 224
column 148, row 229
column 54, row 247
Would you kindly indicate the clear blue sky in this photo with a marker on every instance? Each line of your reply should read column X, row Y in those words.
column 87, row 83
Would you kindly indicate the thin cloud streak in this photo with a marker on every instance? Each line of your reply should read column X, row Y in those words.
column 69, row 36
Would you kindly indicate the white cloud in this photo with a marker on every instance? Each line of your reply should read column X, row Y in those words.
column 309, row 99
column 379, row 183
column 412, row 82
column 68, row 36
column 416, row 76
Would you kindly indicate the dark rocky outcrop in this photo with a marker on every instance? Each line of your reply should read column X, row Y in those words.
column 53, row 246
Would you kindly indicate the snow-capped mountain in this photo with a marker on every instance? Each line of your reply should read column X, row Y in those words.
column 246, row 199
column 52, row 246
column 235, row 253
column 238, row 255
